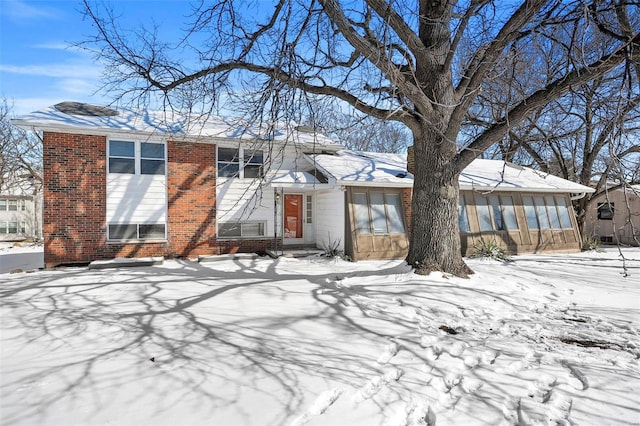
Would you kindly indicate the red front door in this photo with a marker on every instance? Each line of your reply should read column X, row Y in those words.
column 292, row 216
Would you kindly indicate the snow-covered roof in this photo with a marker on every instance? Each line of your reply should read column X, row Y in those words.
column 295, row 179
column 499, row 175
column 76, row 118
column 352, row 168
column 357, row 168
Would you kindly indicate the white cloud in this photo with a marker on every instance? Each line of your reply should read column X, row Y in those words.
column 60, row 70
column 19, row 9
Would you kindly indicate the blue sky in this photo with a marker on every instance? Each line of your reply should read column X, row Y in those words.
column 38, row 65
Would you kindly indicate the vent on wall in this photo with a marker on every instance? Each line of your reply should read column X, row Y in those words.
column 87, row 110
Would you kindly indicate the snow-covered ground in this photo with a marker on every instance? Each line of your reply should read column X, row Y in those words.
column 539, row 340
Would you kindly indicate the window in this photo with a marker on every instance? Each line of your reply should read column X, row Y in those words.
column 152, row 159
column 122, row 157
column 496, row 213
column 23, row 205
column 378, row 212
column 463, row 218
column 144, row 158
column 309, row 209
column 241, row 230
column 547, row 212
column 605, row 211
column 13, row 205
column 240, row 163
column 3, row 205
column 132, row 231
column 12, row 228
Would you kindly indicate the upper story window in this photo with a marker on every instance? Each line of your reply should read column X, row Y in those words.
column 143, row 158
column 12, row 205
column 240, row 162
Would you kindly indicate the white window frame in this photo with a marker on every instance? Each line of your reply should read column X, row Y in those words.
column 242, row 235
column 244, row 161
column 137, row 156
column 137, row 237
column 368, row 210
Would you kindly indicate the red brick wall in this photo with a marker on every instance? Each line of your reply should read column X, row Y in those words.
column 75, row 203
column 74, row 196
column 191, row 180
column 407, row 193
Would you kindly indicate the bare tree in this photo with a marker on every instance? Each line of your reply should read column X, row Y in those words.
column 20, row 152
column 421, row 63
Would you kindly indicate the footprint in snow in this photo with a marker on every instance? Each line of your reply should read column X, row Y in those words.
column 374, row 385
column 319, row 406
column 389, row 352
column 542, row 388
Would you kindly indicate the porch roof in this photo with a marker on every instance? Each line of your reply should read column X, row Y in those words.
column 298, row 180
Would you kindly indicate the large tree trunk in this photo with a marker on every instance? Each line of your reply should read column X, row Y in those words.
column 435, row 239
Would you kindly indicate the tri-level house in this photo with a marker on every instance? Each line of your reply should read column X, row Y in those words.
column 120, row 183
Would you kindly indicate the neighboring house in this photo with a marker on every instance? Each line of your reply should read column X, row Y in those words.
column 613, row 217
column 127, row 184
column 20, row 207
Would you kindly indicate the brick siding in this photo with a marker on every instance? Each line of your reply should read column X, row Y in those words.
column 75, row 203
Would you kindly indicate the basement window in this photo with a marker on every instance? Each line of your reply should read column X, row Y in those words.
column 137, row 232
column 241, row 230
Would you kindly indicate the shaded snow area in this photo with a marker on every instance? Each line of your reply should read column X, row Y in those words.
column 539, row 340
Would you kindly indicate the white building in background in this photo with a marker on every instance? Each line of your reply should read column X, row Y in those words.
column 20, row 207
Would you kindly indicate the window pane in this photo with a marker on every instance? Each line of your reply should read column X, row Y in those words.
column 496, row 212
column 309, row 209
column 378, row 213
column 152, row 167
column 484, row 216
column 121, row 149
column 255, row 157
column 252, row 229
column 509, row 213
column 3, row 205
column 151, row 150
column 228, row 169
column 394, row 211
column 252, row 172
column 3, row 227
column 226, row 230
column 122, row 165
column 13, row 227
column 605, row 210
column 228, row 155
column 530, row 213
column 123, row 232
column 148, row 232
column 13, row 205
column 361, row 211
column 23, row 227
column 553, row 212
column 463, row 218
column 23, row 205
column 563, row 212
column 541, row 212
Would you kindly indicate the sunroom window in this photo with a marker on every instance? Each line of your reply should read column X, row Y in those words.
column 378, row 212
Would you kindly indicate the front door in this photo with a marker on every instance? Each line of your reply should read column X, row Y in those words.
column 293, row 223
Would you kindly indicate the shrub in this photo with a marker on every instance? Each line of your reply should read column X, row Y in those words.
column 590, row 243
column 490, row 249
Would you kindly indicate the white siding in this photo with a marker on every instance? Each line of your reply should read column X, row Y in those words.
column 136, row 198
column 329, row 218
column 242, row 200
